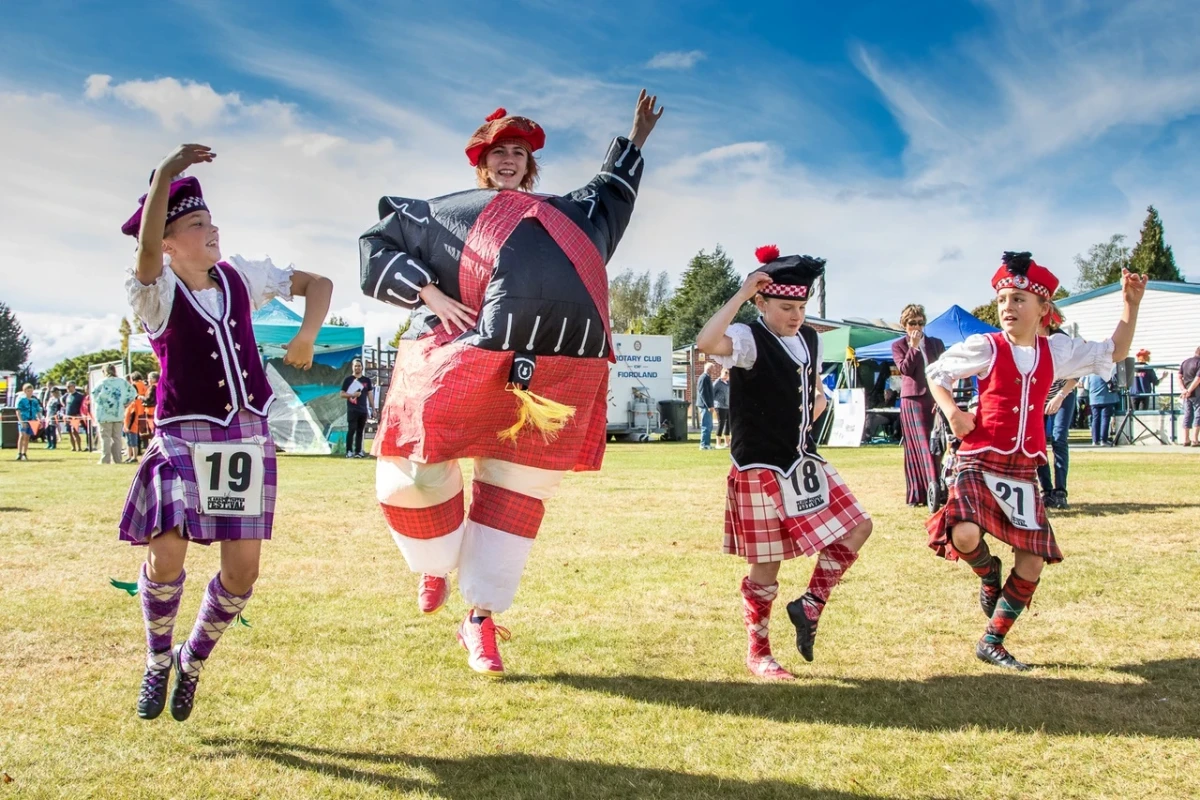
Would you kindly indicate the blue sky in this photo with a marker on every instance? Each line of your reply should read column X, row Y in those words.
column 907, row 143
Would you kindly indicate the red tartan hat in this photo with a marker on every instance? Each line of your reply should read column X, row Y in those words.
column 500, row 126
column 1020, row 271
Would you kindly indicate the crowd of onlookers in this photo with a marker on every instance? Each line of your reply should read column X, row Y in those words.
column 116, row 418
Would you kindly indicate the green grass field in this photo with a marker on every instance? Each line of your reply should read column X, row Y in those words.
column 626, row 663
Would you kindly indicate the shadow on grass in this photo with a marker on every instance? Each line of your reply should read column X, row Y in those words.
column 1165, row 704
column 14, row 509
column 512, row 775
column 1118, row 509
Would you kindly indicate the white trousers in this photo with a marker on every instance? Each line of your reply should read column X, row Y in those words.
column 490, row 557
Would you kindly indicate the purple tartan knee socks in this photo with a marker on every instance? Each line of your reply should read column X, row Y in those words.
column 216, row 612
column 160, row 604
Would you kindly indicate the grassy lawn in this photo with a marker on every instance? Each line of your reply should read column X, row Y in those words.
column 626, row 672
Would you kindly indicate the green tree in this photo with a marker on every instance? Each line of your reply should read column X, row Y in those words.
column 1151, row 255
column 1103, row 264
column 633, row 299
column 708, row 282
column 125, row 330
column 75, row 369
column 14, row 344
column 337, row 322
column 394, row 342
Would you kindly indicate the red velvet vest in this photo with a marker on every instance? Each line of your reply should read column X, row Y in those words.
column 210, row 367
column 1010, row 417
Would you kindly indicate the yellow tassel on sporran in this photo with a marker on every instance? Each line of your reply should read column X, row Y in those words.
column 543, row 415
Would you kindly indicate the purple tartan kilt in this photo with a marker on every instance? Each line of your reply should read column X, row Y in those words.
column 164, row 494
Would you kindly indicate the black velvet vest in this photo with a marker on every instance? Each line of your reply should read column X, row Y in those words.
column 771, row 404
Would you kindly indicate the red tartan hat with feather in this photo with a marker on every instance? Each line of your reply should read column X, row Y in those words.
column 1020, row 271
column 791, row 276
column 500, row 126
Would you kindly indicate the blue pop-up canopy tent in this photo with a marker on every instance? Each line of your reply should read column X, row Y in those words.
column 953, row 326
column 308, row 412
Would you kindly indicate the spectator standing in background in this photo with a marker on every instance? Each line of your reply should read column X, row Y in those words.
column 54, row 408
column 1145, row 380
column 1189, row 377
column 1103, row 400
column 29, row 414
column 357, row 389
column 75, row 415
column 912, row 355
column 108, row 404
column 721, row 408
column 704, row 403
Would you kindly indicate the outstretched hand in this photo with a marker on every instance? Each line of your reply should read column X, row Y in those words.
column 183, row 157
column 1133, row 286
column 644, row 118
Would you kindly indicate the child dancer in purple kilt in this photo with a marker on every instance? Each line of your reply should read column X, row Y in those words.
column 209, row 473
column 782, row 499
column 995, row 474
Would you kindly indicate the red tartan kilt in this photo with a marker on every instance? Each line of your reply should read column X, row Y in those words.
column 757, row 530
column 449, row 401
column 970, row 500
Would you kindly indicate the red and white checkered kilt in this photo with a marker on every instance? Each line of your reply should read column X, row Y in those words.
column 449, row 401
column 757, row 530
column 970, row 500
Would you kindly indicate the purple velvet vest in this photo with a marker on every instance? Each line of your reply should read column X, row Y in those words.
column 210, row 367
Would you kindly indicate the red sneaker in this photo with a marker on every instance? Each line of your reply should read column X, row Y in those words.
column 479, row 639
column 432, row 593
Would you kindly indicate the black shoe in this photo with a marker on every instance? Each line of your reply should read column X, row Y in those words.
column 1049, row 500
column 1060, row 498
column 990, row 588
column 183, row 695
column 996, row 655
column 806, row 629
column 152, row 699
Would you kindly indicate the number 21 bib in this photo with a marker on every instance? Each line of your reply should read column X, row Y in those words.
column 229, row 476
column 1016, row 499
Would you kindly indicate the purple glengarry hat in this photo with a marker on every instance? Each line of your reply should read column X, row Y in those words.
column 186, row 197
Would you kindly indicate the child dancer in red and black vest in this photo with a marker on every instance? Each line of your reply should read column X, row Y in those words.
column 995, row 484
column 209, row 472
column 783, row 499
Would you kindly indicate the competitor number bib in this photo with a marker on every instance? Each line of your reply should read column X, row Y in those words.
column 229, row 476
column 1016, row 499
column 806, row 490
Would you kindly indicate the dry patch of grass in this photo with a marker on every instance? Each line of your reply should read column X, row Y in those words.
column 627, row 652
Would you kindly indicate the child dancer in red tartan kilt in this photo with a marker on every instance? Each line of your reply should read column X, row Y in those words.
column 783, row 499
column 995, row 485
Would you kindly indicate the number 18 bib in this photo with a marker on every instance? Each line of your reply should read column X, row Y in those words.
column 229, row 476
column 806, row 490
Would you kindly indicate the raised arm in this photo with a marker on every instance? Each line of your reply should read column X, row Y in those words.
column 713, row 339
column 154, row 215
column 608, row 199
column 317, row 291
column 1133, row 289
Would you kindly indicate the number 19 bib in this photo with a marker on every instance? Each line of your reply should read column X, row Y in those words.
column 229, row 476
column 1016, row 499
column 806, row 490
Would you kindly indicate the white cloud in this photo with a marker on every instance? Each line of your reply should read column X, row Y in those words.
column 175, row 103
column 676, row 59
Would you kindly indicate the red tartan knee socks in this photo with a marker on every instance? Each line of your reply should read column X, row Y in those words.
column 1016, row 596
column 756, row 614
column 832, row 563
